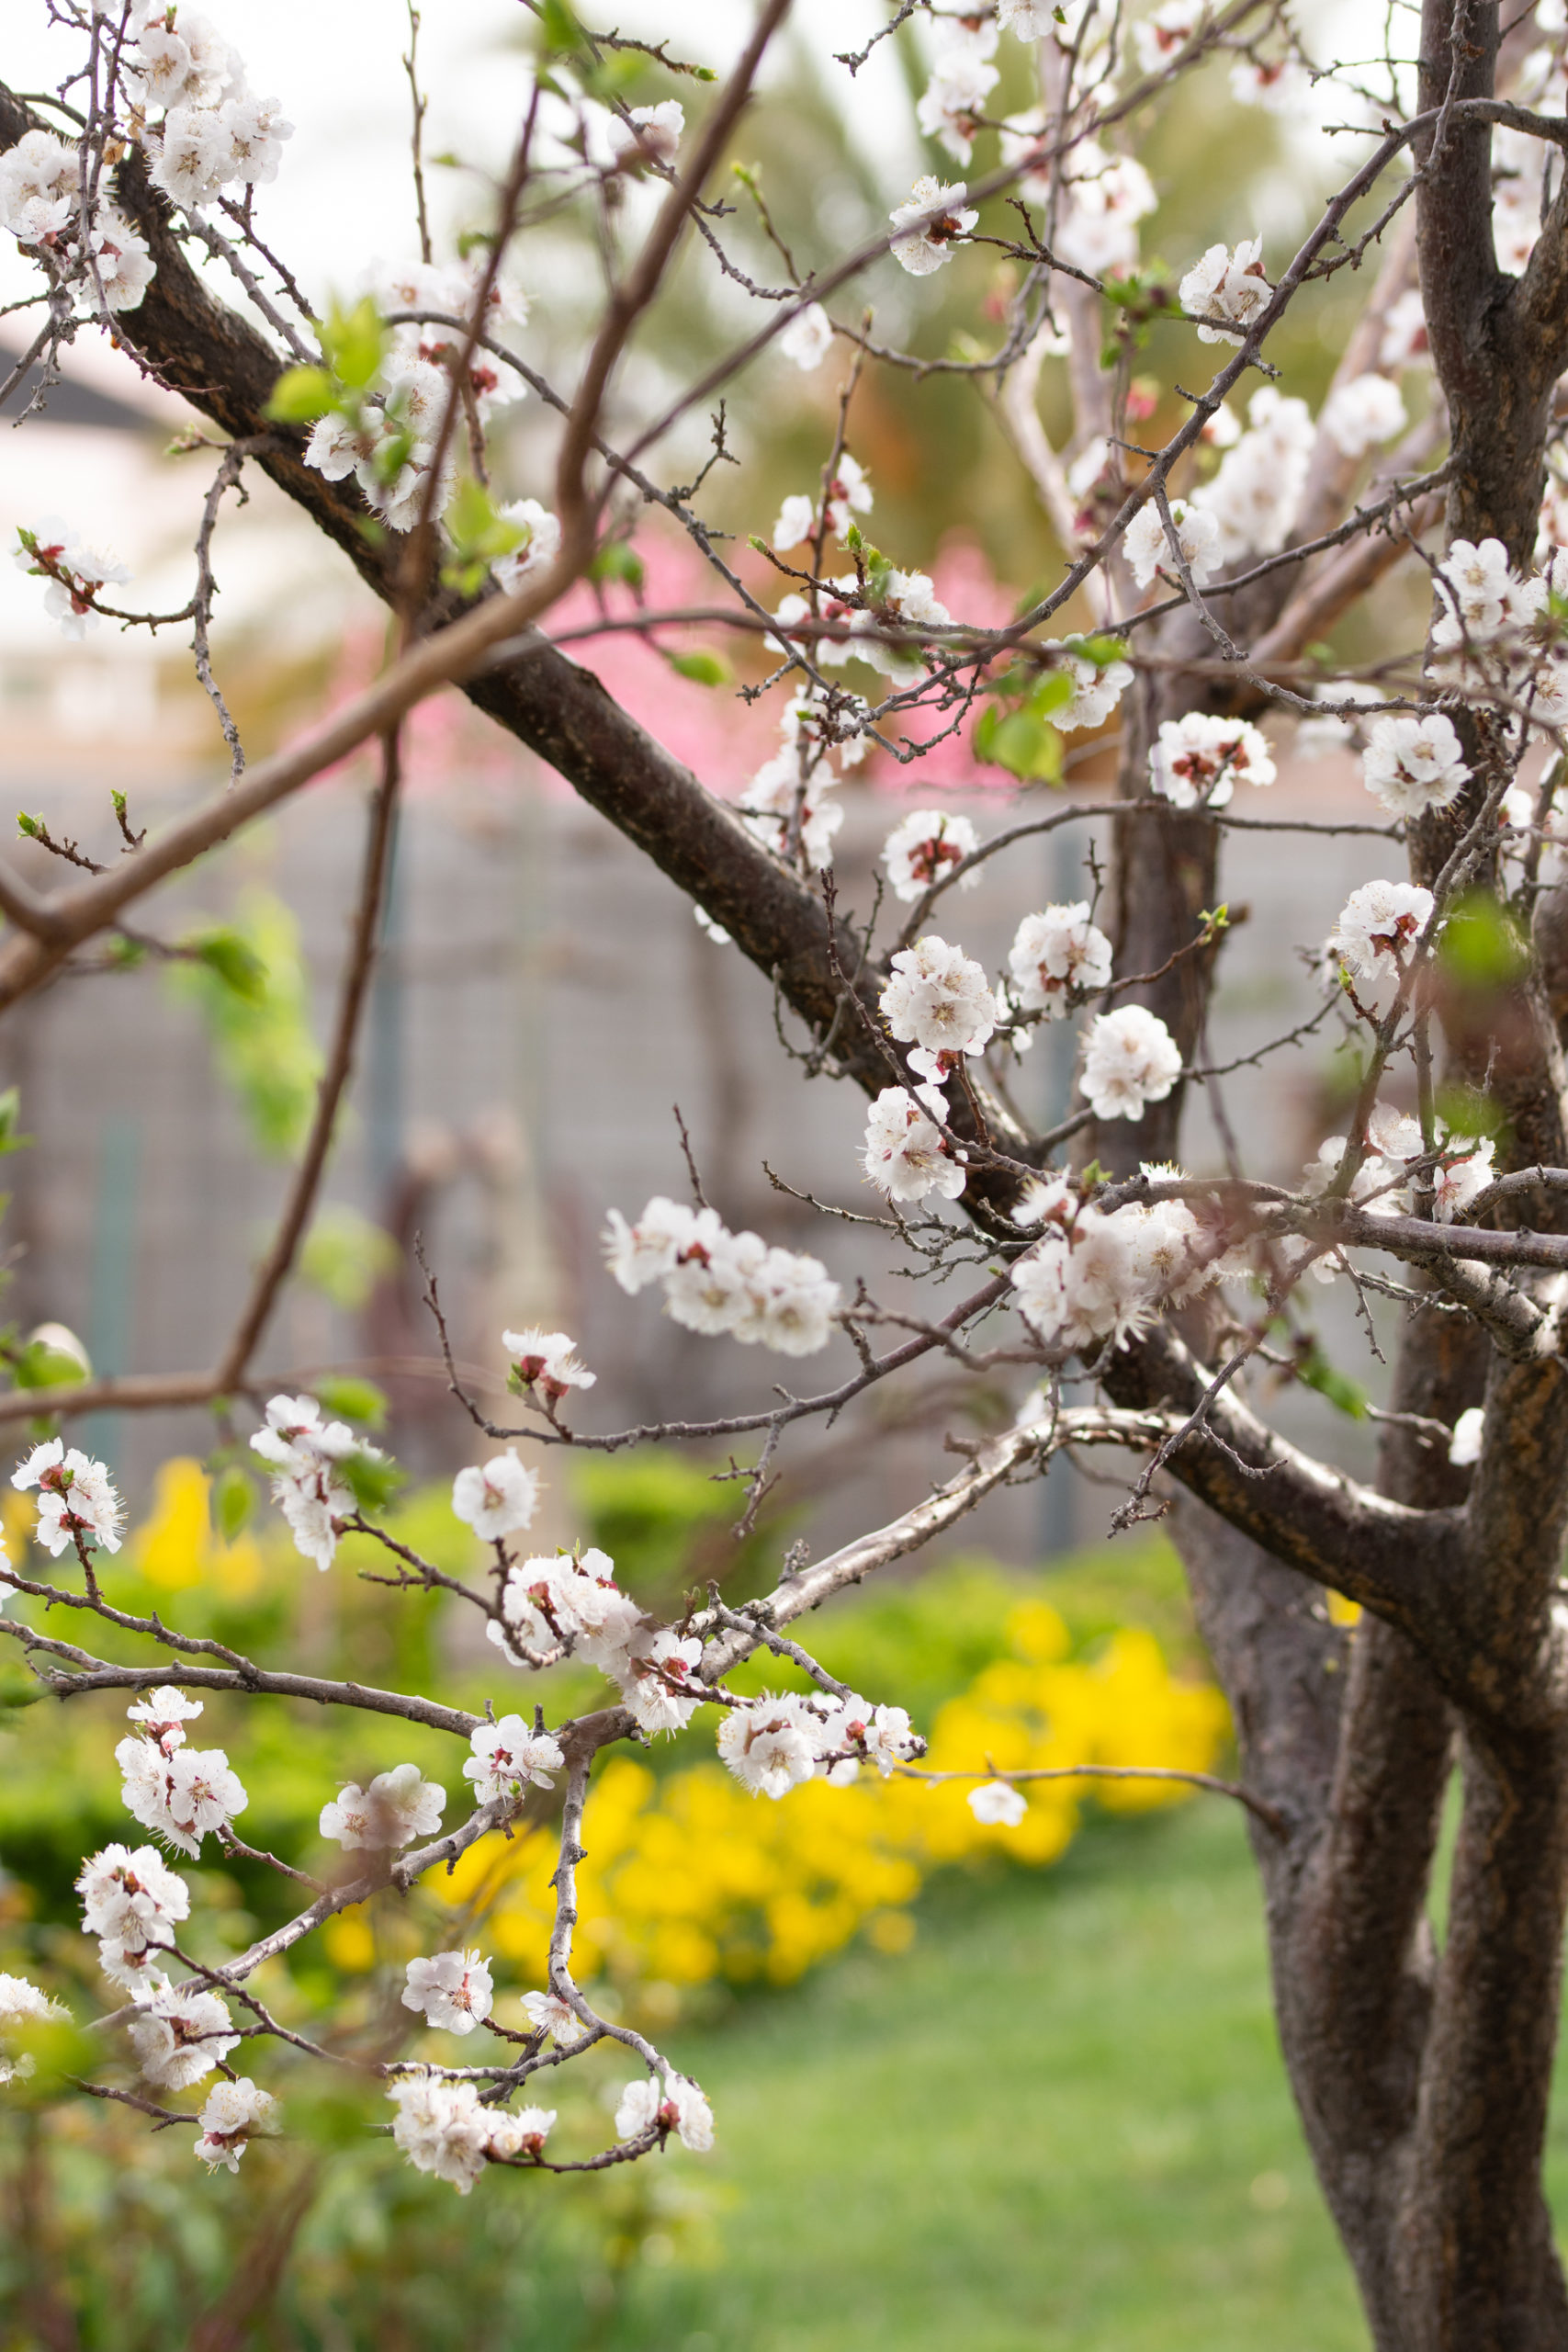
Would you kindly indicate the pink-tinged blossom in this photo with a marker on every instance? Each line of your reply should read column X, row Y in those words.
column 134, row 1901
column 498, row 1499
column 1414, row 762
column 453, row 1990
column 1200, row 760
column 1162, row 34
column 74, row 572
column 308, row 1485
column 954, row 100
column 998, row 1804
column 521, row 2132
column 651, row 134
column 180, row 2035
column 1057, row 957
column 925, row 847
column 645, row 1252
column 657, row 1685
column 906, row 1154
column 182, row 1797
column 122, row 261
column 162, row 1712
column 547, row 1361
column 1459, row 1183
column 39, row 188
column 1279, row 84
column 939, row 998
column 941, row 216
column 1130, row 1060
column 508, row 1759
column 1146, row 543
column 77, row 1501
column 396, row 1808
column 1226, row 290
column 1098, row 687
column 674, row 2104
column 231, row 2117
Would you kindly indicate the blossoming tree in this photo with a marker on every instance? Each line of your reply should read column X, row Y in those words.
column 1132, row 1301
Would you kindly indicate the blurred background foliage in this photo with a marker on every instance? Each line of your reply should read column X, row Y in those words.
column 698, row 1902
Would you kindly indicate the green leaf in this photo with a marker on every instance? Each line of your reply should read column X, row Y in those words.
column 1020, row 743
column 348, row 1399
column 703, row 668
column 264, row 1046
column 231, row 1501
column 234, row 959
column 1465, row 1111
column 51, row 1357
column 10, row 1112
column 18, row 1688
column 301, row 395
column 1347, row 1395
column 1054, row 693
column 619, row 560
column 345, row 1255
column 354, row 342
column 559, row 31
column 29, row 826
column 373, row 1479
column 1481, row 946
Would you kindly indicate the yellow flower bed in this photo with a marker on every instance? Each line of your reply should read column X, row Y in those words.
column 688, row 1879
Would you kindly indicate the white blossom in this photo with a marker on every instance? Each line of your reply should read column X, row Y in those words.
column 941, row 217
column 1098, row 687
column 133, row 1900
column 308, row 1486
column 76, row 1498
column 956, row 95
column 547, row 1361
column 22, row 2005
column 498, row 1499
column 788, row 794
column 998, row 1804
column 123, row 263
column 452, row 1992
column 189, row 166
column 1361, row 414
column 1477, row 596
column 1404, row 342
column 180, row 2034
column 251, row 133
column 537, row 549
column 909, row 602
column 1227, row 290
column 797, row 521
column 1029, row 19
column 1279, row 84
column 939, row 998
column 39, row 188
column 232, row 2114
column 180, row 1796
column 849, row 493
column 442, row 2128
column 1461, row 1179
column 1413, row 763
column 924, row 846
column 519, row 2133
column 1166, row 30
column 507, row 1759
column 548, row 2014
column 1107, row 196
column 675, row 2104
column 644, row 1252
column 1253, row 497
column 807, row 339
column 1200, row 759
column 770, row 1743
column 1147, row 545
column 906, row 1154
column 653, row 132
column 658, row 1680
column 187, row 67
column 161, row 1714
column 1130, row 1060
column 1379, row 925
column 1056, row 955
column 1464, row 1446
column 391, row 1812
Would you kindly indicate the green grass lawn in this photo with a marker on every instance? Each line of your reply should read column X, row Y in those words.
column 1059, row 2124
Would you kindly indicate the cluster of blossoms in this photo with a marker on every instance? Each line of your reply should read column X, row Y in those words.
column 77, row 1501
column 75, row 572
column 452, row 1992
column 1096, row 685
column 233, row 2114
column 1526, row 828
column 443, row 2129
column 846, row 495
column 43, row 200
column 1494, row 629
column 179, row 2034
column 1413, row 763
column 898, row 601
column 1057, row 959
column 394, row 1809
column 571, row 1602
column 1200, row 760
column 213, row 133
column 1253, row 499
column 22, row 2005
column 925, row 848
column 1462, row 1170
column 181, row 1794
column 1146, row 542
column 1130, row 1060
column 506, row 1759
column 775, row 1742
column 1229, row 291
column 1103, row 1274
column 1378, row 929
column 1362, row 415
column 906, row 1154
column 388, row 440
column 716, row 1281
column 308, row 1481
column 131, row 1900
